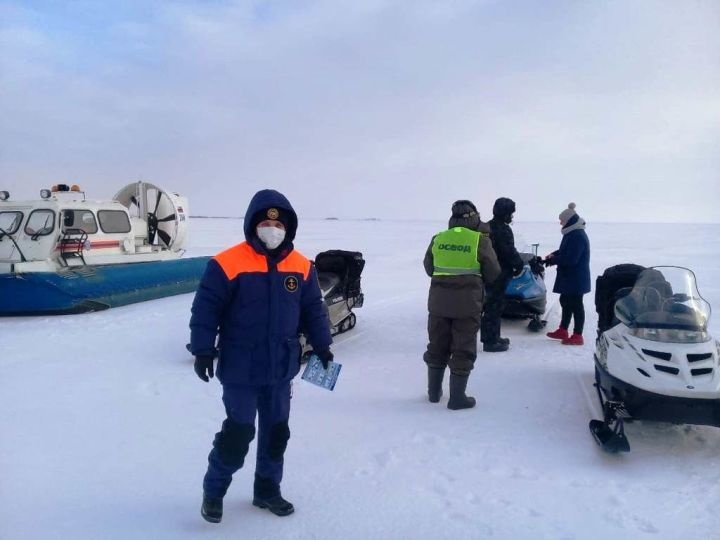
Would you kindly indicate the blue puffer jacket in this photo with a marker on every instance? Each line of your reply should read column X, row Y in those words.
column 573, row 263
column 256, row 301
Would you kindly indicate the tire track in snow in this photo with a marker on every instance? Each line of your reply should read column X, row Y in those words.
column 591, row 403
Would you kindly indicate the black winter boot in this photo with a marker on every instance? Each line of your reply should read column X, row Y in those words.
column 277, row 505
column 498, row 346
column 435, row 379
column 458, row 399
column 267, row 495
column 212, row 509
column 504, row 340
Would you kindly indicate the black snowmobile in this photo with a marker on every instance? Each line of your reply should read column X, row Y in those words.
column 526, row 294
column 339, row 276
column 654, row 358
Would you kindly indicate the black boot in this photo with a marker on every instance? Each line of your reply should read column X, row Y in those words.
column 458, row 399
column 504, row 340
column 277, row 505
column 498, row 346
column 435, row 379
column 267, row 495
column 211, row 509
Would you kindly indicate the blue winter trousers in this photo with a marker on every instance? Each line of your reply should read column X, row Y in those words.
column 272, row 404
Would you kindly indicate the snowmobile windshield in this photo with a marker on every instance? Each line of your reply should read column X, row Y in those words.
column 665, row 305
column 525, row 250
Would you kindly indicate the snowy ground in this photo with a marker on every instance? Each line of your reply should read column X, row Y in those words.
column 105, row 429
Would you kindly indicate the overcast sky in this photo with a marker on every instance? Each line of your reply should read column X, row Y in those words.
column 370, row 108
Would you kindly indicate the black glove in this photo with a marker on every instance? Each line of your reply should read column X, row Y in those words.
column 536, row 265
column 204, row 367
column 549, row 260
column 325, row 357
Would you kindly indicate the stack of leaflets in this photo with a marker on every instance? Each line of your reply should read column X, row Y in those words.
column 315, row 374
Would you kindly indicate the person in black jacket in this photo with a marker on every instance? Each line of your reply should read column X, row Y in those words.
column 511, row 264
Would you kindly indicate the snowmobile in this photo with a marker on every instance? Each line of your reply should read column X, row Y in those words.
column 339, row 276
column 526, row 294
column 654, row 358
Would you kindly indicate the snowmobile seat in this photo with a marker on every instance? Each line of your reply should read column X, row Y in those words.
column 662, row 287
column 620, row 293
column 625, row 308
column 641, row 301
column 348, row 265
column 615, row 283
column 328, row 281
column 677, row 308
column 650, row 299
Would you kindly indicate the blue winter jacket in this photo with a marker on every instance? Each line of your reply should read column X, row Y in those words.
column 255, row 302
column 573, row 263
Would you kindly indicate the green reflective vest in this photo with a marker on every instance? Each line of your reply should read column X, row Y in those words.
column 455, row 252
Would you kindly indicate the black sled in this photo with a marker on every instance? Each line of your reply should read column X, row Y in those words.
column 339, row 274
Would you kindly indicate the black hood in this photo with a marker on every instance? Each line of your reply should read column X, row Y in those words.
column 262, row 201
column 503, row 209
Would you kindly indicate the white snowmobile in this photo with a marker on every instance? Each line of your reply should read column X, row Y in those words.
column 654, row 358
column 339, row 276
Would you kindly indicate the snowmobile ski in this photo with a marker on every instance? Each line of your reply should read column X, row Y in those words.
column 536, row 323
column 610, row 439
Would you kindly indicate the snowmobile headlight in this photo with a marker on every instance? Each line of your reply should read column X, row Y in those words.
column 671, row 335
column 653, row 334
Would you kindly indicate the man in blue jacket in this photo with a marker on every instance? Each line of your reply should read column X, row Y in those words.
column 254, row 299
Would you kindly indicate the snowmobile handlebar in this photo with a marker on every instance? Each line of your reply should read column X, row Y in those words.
column 537, row 265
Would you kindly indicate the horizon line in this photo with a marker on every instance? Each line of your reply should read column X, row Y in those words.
column 332, row 218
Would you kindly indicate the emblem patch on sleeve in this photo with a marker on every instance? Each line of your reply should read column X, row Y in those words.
column 291, row 283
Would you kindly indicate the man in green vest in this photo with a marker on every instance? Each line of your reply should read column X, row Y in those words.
column 460, row 261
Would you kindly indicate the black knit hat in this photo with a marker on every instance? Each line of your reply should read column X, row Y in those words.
column 278, row 214
column 464, row 214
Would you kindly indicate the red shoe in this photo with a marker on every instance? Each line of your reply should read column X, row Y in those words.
column 560, row 333
column 575, row 339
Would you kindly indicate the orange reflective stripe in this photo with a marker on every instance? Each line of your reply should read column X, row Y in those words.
column 295, row 262
column 240, row 259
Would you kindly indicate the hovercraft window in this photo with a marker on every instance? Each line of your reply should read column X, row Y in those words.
column 114, row 221
column 10, row 222
column 83, row 220
column 40, row 223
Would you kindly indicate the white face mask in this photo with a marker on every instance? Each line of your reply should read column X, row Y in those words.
column 272, row 237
